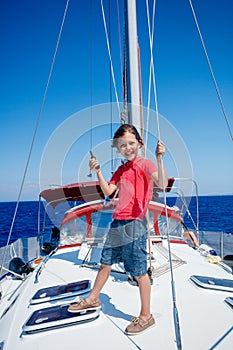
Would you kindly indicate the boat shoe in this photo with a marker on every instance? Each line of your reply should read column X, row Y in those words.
column 138, row 325
column 82, row 305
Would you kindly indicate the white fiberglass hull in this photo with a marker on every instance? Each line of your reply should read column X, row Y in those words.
column 205, row 318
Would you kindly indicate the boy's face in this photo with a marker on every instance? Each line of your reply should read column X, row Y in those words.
column 128, row 146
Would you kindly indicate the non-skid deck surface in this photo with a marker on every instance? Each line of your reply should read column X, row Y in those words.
column 160, row 260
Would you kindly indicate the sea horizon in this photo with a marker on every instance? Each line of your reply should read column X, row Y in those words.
column 200, row 195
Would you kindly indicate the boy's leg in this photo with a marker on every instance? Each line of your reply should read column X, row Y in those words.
column 144, row 289
column 100, row 281
column 92, row 301
column 145, row 319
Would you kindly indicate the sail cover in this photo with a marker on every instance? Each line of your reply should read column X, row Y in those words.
column 81, row 191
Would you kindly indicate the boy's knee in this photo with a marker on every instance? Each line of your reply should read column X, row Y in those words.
column 141, row 278
column 105, row 267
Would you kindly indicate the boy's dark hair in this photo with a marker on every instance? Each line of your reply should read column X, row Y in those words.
column 122, row 130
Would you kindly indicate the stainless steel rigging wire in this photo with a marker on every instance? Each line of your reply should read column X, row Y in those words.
column 211, row 71
column 35, row 133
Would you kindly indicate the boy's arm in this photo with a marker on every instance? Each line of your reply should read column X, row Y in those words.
column 107, row 189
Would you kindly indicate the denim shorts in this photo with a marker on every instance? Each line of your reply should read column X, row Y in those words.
column 126, row 242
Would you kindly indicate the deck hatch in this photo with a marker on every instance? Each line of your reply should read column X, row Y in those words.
column 61, row 291
column 229, row 301
column 213, row 283
column 56, row 317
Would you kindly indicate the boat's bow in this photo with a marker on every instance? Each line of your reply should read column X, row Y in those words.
column 36, row 315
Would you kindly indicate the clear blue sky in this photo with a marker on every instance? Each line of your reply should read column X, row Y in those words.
column 186, row 94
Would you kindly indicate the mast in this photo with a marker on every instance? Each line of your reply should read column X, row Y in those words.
column 132, row 107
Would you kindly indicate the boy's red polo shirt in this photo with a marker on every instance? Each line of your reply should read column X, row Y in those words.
column 135, row 188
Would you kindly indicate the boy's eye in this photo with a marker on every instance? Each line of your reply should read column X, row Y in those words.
column 130, row 143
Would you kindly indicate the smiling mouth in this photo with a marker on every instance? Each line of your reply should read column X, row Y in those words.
column 130, row 155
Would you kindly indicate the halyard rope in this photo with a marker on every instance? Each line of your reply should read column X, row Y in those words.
column 110, row 56
column 175, row 310
column 151, row 38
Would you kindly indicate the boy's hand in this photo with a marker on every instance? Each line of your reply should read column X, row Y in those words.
column 94, row 165
column 160, row 149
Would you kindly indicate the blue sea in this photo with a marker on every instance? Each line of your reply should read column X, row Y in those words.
column 215, row 214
